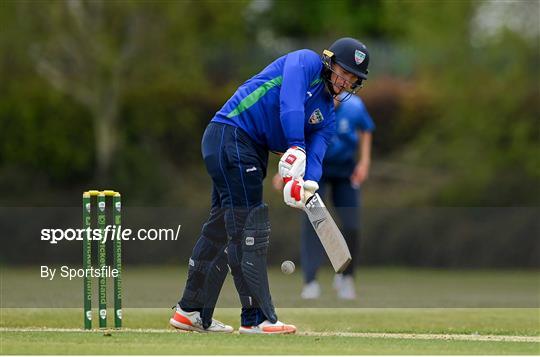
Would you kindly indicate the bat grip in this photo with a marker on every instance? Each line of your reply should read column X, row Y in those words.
column 309, row 198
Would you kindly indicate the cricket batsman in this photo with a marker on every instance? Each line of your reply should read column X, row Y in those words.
column 287, row 108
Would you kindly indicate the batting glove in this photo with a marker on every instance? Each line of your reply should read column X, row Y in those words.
column 296, row 192
column 293, row 163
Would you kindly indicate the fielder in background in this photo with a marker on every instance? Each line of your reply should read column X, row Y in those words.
column 288, row 107
column 345, row 167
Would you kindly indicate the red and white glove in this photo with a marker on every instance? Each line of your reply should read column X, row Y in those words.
column 293, row 163
column 296, row 192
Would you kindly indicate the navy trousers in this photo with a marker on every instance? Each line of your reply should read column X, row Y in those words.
column 237, row 166
column 346, row 201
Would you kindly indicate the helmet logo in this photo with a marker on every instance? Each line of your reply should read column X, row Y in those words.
column 359, row 56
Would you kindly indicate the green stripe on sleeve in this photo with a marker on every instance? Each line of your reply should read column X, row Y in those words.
column 258, row 93
column 254, row 96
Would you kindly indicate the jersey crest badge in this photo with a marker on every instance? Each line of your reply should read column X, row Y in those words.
column 316, row 117
column 359, row 56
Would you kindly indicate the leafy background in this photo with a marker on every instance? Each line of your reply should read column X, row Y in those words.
column 116, row 94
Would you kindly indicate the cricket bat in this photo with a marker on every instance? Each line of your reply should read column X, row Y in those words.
column 329, row 234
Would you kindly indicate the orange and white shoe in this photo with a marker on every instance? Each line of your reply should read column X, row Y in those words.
column 191, row 321
column 267, row 327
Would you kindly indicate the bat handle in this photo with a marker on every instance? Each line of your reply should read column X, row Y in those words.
column 310, row 198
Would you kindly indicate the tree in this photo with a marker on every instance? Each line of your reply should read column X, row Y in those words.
column 485, row 92
column 88, row 51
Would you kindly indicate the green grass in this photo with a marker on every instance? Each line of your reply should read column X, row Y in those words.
column 135, row 343
column 519, row 322
column 413, row 301
column 445, row 321
column 155, row 287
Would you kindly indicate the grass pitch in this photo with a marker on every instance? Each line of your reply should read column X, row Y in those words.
column 341, row 331
column 399, row 311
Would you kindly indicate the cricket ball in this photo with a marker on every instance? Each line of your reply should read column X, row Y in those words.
column 287, row 267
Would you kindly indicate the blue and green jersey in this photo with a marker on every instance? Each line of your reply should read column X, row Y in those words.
column 286, row 105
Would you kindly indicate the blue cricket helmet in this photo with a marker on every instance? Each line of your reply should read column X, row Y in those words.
column 350, row 54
